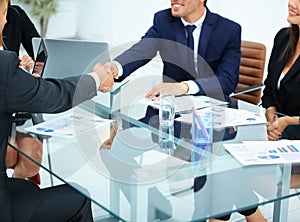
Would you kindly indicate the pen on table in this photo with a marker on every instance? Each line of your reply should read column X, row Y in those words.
column 200, row 123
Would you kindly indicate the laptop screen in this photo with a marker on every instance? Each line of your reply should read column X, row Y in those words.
column 69, row 57
column 40, row 60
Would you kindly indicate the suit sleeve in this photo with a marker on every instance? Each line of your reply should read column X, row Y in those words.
column 28, row 32
column 28, row 94
column 141, row 52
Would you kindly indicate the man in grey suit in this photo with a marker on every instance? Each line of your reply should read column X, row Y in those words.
column 22, row 200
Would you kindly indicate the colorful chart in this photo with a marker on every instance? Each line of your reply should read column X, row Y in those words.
column 287, row 149
column 275, row 153
column 268, row 157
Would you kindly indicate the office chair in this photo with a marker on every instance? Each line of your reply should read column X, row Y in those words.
column 251, row 72
column 18, row 119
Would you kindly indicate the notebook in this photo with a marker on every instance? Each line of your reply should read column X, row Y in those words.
column 70, row 57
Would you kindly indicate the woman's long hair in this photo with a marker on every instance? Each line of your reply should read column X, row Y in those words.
column 289, row 51
column 1, row 34
column 1, row 40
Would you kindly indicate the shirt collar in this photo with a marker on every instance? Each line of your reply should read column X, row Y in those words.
column 198, row 23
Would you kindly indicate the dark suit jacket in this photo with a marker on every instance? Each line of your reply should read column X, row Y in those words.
column 287, row 98
column 21, row 92
column 219, row 45
column 18, row 30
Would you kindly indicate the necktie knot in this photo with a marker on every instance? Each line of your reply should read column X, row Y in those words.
column 190, row 28
column 190, row 39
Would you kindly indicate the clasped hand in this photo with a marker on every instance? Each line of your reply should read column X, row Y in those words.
column 276, row 127
column 105, row 75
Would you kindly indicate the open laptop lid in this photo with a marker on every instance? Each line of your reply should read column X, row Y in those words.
column 41, row 59
column 69, row 57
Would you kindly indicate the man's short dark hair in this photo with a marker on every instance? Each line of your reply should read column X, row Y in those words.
column 205, row 2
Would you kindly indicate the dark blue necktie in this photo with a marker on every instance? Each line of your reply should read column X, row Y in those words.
column 190, row 44
column 190, row 38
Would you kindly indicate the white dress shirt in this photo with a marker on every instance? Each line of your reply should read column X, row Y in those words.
column 279, row 80
column 193, row 87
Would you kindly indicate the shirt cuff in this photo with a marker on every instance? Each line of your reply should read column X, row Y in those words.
column 119, row 67
column 96, row 78
column 193, row 87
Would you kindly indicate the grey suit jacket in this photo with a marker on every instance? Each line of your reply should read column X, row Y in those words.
column 21, row 92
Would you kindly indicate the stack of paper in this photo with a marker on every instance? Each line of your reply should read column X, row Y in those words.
column 265, row 152
column 185, row 103
column 72, row 123
column 227, row 117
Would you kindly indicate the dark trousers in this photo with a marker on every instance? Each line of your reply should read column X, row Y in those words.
column 55, row 204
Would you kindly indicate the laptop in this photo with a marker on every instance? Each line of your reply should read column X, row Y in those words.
column 40, row 60
column 67, row 58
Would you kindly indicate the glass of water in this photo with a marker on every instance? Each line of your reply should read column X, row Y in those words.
column 167, row 109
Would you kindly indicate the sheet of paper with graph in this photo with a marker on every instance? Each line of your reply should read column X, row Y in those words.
column 265, row 152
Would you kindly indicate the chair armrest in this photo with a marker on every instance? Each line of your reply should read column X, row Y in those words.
column 37, row 118
column 247, row 89
column 20, row 118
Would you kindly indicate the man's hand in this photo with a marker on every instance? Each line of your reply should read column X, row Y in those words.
column 106, row 79
column 177, row 89
column 111, row 68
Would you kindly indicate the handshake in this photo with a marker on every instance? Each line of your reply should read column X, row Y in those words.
column 106, row 74
column 109, row 71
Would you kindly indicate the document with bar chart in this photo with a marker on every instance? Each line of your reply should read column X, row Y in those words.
column 265, row 152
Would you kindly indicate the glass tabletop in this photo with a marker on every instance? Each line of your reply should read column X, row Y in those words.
column 138, row 178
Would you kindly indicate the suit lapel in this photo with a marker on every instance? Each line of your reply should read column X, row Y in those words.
column 206, row 32
column 179, row 32
column 204, row 38
column 277, row 72
column 274, row 83
column 294, row 70
column 181, row 40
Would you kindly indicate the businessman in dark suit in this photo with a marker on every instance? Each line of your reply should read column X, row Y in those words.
column 201, row 55
column 216, row 41
column 22, row 200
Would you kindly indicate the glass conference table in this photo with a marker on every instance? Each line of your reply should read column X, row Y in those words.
column 137, row 179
